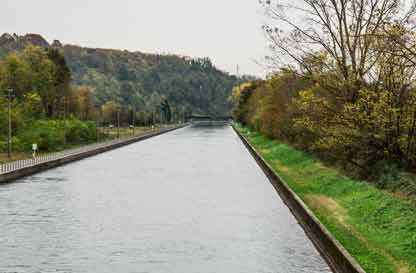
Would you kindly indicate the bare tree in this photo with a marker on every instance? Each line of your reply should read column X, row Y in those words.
column 345, row 32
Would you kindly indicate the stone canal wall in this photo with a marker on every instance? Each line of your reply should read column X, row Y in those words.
column 333, row 252
column 15, row 170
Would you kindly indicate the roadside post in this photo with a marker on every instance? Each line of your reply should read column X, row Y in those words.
column 34, row 149
column 118, row 124
column 111, row 130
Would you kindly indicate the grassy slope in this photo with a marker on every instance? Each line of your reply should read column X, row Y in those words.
column 377, row 228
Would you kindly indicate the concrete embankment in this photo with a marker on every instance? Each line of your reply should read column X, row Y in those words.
column 11, row 176
column 333, row 252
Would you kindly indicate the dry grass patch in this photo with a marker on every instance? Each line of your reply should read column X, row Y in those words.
column 330, row 208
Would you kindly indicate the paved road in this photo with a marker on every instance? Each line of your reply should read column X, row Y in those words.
column 190, row 201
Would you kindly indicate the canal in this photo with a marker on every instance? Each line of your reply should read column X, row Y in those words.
column 190, row 201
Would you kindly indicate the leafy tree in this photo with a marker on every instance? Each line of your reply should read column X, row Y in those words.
column 14, row 74
column 42, row 72
column 62, row 74
column 347, row 90
column 40, row 81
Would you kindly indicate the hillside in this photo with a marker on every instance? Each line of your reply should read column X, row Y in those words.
column 135, row 79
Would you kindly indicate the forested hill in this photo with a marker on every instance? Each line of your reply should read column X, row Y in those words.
column 135, row 79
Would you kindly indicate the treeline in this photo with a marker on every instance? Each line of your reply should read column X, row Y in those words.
column 44, row 107
column 345, row 90
column 145, row 81
column 47, row 109
column 60, row 94
column 142, row 82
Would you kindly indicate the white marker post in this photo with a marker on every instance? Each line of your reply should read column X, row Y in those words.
column 34, row 149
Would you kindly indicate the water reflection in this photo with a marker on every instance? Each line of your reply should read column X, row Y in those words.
column 189, row 201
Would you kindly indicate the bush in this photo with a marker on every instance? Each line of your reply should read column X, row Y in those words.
column 50, row 135
column 78, row 132
column 17, row 144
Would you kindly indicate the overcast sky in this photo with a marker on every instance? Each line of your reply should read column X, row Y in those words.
column 227, row 31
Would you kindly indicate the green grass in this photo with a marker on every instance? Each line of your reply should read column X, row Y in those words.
column 378, row 228
column 111, row 133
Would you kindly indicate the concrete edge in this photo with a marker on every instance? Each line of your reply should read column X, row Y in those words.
column 337, row 257
column 10, row 177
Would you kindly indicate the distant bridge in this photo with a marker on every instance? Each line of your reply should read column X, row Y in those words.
column 208, row 119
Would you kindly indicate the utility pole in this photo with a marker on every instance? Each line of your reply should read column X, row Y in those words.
column 9, row 135
column 118, row 123
column 134, row 118
column 64, row 116
column 97, row 126
column 161, row 117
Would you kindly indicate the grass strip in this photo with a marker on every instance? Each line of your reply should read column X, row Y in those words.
column 377, row 227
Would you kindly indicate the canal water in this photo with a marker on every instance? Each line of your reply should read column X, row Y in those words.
column 190, row 201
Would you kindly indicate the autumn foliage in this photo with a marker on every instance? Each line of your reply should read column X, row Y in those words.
column 344, row 87
column 377, row 128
